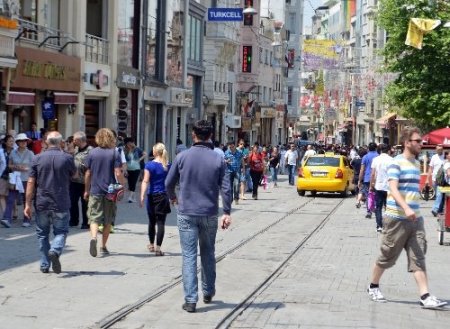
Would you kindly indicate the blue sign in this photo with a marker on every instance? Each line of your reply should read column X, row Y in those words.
column 225, row 14
column 48, row 109
column 360, row 103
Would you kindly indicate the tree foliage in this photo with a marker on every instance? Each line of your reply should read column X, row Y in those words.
column 422, row 88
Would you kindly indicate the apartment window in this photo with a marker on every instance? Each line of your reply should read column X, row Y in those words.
column 28, row 10
column 292, row 22
column 289, row 95
column 53, row 17
column 270, row 94
column 261, row 54
column 153, row 42
column 125, row 38
column 195, row 37
column 266, row 57
column 174, row 28
column 264, row 95
column 270, row 58
column 215, row 86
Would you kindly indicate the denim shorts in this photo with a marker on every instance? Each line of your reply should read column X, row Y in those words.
column 101, row 210
column 403, row 234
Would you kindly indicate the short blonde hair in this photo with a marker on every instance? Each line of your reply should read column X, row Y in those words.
column 105, row 138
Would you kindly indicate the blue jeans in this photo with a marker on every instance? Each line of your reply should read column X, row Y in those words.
column 11, row 201
column 438, row 199
column 60, row 222
column 380, row 202
column 291, row 173
column 198, row 230
column 235, row 183
column 274, row 174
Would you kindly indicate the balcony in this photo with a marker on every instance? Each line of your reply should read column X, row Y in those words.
column 7, row 46
column 97, row 49
column 42, row 36
column 224, row 32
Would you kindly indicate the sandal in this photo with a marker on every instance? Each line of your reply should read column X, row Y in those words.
column 159, row 253
column 151, row 248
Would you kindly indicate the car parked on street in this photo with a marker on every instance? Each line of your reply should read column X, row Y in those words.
column 326, row 173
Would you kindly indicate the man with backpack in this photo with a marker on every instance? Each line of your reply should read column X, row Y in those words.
column 436, row 162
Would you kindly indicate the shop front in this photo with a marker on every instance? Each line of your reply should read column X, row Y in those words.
column 268, row 115
column 129, row 83
column 43, row 88
column 150, row 126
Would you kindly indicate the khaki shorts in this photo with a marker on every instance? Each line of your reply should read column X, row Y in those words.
column 101, row 210
column 398, row 235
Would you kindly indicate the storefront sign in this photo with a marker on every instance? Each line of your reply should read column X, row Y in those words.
column 268, row 112
column 48, row 109
column 246, row 124
column 128, row 77
column 44, row 70
column 225, row 14
column 97, row 77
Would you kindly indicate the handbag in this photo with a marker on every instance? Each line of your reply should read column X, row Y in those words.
column 115, row 191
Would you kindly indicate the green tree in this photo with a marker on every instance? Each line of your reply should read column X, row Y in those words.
column 421, row 90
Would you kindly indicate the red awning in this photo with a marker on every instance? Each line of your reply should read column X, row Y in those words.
column 65, row 98
column 20, row 98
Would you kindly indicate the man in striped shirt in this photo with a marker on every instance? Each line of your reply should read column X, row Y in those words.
column 403, row 224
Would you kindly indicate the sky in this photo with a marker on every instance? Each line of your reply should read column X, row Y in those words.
column 276, row 7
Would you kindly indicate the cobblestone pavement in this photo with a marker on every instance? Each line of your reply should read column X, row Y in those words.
column 323, row 285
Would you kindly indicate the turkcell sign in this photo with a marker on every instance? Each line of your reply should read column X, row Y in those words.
column 225, row 14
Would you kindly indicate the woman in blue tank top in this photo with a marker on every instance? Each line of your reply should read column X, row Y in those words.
column 158, row 205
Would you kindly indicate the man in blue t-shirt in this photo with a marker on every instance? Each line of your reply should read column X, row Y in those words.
column 50, row 178
column 403, row 227
column 366, row 172
column 103, row 167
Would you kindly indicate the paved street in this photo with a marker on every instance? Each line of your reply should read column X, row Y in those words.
column 322, row 285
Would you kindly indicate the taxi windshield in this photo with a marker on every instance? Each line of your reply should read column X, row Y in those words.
column 322, row 161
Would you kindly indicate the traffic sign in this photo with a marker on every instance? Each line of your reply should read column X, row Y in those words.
column 360, row 103
column 225, row 14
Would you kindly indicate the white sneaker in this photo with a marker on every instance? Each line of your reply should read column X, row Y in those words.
column 26, row 224
column 432, row 302
column 376, row 295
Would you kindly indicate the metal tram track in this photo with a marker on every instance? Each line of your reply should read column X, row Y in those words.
column 120, row 314
column 228, row 320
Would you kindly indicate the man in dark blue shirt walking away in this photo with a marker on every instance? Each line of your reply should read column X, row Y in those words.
column 50, row 175
column 201, row 174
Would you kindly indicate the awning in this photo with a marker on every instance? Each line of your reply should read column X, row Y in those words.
column 385, row 118
column 65, row 98
column 20, row 98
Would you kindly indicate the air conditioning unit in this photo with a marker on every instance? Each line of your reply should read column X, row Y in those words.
column 233, row 121
column 176, row 96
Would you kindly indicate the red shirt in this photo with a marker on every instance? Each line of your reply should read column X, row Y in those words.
column 256, row 161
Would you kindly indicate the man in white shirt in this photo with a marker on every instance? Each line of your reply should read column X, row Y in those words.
column 291, row 158
column 379, row 182
column 437, row 160
column 309, row 151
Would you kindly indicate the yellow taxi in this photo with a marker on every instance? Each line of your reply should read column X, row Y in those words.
column 325, row 173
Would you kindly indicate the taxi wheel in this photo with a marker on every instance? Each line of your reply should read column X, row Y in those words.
column 313, row 193
column 344, row 192
column 301, row 193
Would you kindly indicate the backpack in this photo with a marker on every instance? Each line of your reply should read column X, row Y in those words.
column 440, row 177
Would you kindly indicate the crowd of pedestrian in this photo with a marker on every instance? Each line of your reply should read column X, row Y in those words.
column 62, row 174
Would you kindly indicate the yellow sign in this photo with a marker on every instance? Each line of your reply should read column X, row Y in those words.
column 7, row 23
